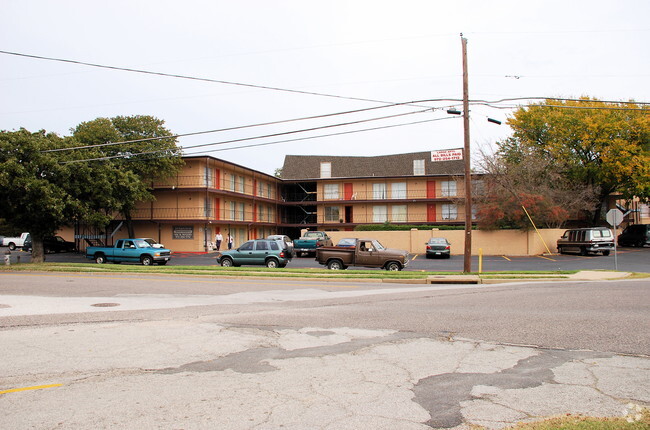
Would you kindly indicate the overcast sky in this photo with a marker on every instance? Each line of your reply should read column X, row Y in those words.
column 357, row 54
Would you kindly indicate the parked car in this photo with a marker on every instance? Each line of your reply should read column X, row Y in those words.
column 586, row 240
column 365, row 253
column 255, row 252
column 51, row 244
column 152, row 242
column 286, row 241
column 438, row 247
column 347, row 243
column 635, row 235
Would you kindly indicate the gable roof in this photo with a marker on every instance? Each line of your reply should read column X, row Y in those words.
column 297, row 167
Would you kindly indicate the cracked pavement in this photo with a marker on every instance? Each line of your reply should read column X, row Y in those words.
column 196, row 373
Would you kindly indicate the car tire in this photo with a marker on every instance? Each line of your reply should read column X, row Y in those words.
column 272, row 263
column 448, row 256
column 583, row 251
column 146, row 260
column 335, row 265
column 100, row 258
column 605, row 253
column 393, row 266
column 12, row 246
column 226, row 262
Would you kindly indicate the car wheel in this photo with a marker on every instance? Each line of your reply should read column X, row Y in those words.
column 560, row 250
column 100, row 259
column 605, row 253
column 583, row 251
column 226, row 262
column 12, row 246
column 146, row 260
column 393, row 266
column 272, row 263
column 335, row 265
column 448, row 256
column 640, row 243
column 428, row 256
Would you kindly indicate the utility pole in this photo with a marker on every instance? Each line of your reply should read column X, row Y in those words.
column 467, row 265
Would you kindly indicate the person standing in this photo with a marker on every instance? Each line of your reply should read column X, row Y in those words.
column 230, row 241
column 217, row 240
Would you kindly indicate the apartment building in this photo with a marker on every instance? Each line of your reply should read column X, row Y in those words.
column 339, row 192
column 211, row 196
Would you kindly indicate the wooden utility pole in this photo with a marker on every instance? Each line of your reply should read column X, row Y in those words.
column 467, row 265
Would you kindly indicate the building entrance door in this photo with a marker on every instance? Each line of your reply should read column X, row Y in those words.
column 347, row 191
column 431, row 213
column 348, row 214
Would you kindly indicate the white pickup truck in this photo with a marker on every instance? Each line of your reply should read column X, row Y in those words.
column 15, row 242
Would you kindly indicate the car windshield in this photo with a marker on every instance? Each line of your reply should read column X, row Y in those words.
column 313, row 234
column 437, row 240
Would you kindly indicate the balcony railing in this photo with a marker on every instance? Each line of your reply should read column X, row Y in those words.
column 369, row 195
column 224, row 184
column 202, row 214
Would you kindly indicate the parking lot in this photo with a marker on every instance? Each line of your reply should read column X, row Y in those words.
column 626, row 259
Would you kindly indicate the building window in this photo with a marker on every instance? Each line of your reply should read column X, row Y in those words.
column 449, row 211
column 208, row 178
column 325, row 169
column 241, row 185
column 332, row 214
column 331, row 191
column 207, row 208
column 260, row 213
column 379, row 191
column 233, row 179
column 398, row 213
column 398, row 190
column 379, row 214
column 418, row 167
column 269, row 212
column 448, row 188
column 269, row 194
column 233, row 211
column 260, row 189
column 242, row 208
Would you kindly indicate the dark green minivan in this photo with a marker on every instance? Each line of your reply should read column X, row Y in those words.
column 265, row 252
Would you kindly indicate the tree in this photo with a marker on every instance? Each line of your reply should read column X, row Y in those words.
column 597, row 144
column 528, row 181
column 36, row 191
column 139, row 153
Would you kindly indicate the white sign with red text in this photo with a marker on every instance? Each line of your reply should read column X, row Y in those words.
column 447, row 155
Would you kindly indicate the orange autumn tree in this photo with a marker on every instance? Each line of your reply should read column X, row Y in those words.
column 593, row 144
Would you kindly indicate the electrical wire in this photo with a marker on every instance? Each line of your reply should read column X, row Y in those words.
column 122, row 155
column 254, row 125
column 324, row 135
column 193, row 78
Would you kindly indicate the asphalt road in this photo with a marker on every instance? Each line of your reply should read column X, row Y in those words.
column 138, row 351
column 627, row 259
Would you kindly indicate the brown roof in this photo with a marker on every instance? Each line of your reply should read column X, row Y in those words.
column 308, row 166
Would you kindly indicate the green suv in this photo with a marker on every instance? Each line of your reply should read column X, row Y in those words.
column 256, row 252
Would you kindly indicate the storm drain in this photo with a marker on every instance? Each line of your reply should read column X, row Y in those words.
column 105, row 305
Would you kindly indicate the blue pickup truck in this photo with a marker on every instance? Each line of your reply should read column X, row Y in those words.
column 129, row 251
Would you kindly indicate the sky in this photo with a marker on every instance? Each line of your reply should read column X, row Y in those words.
column 281, row 61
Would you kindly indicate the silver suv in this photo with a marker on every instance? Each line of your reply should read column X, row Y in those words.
column 586, row 240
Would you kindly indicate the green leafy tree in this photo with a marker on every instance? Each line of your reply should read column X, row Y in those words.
column 136, row 151
column 597, row 144
column 36, row 191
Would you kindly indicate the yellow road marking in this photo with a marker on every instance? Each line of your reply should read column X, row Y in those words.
column 546, row 258
column 38, row 387
column 503, row 256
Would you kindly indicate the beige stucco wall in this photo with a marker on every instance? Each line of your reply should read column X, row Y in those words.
column 500, row 242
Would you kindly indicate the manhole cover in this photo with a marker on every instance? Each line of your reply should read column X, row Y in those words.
column 4, row 306
column 105, row 305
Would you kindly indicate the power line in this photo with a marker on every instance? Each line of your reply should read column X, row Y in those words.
column 326, row 135
column 148, row 139
column 254, row 137
column 193, row 78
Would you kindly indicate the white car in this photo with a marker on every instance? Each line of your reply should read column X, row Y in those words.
column 152, row 242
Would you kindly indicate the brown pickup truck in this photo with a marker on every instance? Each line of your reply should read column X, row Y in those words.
column 365, row 253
